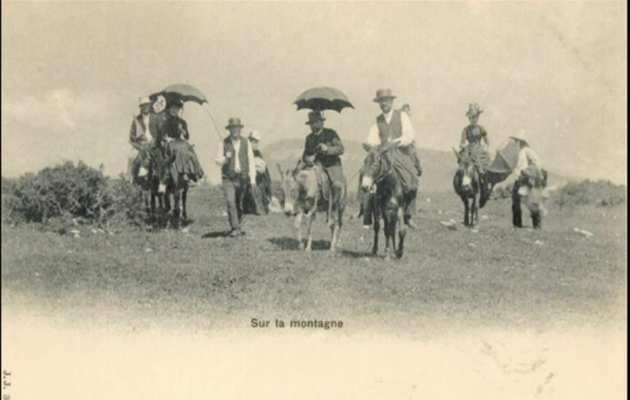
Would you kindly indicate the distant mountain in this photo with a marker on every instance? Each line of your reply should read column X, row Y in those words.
column 438, row 166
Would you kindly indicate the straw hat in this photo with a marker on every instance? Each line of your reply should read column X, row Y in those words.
column 255, row 135
column 144, row 100
column 473, row 109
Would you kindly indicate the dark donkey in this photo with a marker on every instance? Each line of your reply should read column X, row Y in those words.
column 389, row 200
column 172, row 183
column 152, row 160
column 467, row 185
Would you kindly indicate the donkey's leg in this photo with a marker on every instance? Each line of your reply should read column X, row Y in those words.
column 184, row 198
column 388, row 234
column 377, row 227
column 176, row 208
column 466, row 211
column 298, row 227
column 473, row 210
column 402, row 231
column 311, row 218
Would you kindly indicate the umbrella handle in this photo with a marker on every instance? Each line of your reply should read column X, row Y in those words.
column 215, row 125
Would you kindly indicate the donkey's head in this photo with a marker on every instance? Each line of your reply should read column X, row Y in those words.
column 376, row 166
column 162, row 164
column 466, row 170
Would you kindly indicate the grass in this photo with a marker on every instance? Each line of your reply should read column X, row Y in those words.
column 447, row 280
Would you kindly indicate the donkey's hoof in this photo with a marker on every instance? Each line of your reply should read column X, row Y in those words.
column 308, row 250
column 399, row 254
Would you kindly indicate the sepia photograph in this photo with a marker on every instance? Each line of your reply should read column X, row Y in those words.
column 314, row 200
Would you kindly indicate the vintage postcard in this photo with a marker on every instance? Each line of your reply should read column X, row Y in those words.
column 314, row 200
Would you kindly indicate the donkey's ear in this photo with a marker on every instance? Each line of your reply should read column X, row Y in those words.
column 366, row 147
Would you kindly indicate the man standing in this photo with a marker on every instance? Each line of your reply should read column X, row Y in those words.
column 394, row 127
column 238, row 172
column 528, row 172
column 143, row 135
column 324, row 148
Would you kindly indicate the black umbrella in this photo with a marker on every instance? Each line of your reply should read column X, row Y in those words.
column 183, row 92
column 323, row 98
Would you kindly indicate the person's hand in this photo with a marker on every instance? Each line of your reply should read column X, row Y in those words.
column 228, row 154
column 322, row 148
column 220, row 161
column 252, row 182
column 309, row 160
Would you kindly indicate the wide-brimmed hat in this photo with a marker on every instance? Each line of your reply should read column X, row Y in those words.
column 473, row 109
column 255, row 135
column 144, row 100
column 314, row 116
column 383, row 94
column 520, row 137
column 234, row 122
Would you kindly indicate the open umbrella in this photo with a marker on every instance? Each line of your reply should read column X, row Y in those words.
column 184, row 92
column 323, row 98
column 504, row 163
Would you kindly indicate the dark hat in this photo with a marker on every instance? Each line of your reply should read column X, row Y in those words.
column 383, row 94
column 175, row 103
column 234, row 122
column 314, row 116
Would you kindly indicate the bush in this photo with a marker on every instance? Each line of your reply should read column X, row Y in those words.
column 599, row 193
column 69, row 194
column 64, row 189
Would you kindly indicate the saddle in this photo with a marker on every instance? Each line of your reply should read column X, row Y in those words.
column 323, row 181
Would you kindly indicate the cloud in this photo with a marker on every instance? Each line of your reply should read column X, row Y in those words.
column 56, row 110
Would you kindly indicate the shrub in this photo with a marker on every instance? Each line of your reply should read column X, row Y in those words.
column 599, row 193
column 64, row 189
column 67, row 194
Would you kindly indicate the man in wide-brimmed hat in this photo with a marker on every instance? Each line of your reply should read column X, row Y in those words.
column 144, row 133
column 394, row 127
column 323, row 147
column 528, row 172
column 238, row 172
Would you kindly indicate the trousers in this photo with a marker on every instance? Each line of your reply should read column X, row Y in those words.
column 234, row 191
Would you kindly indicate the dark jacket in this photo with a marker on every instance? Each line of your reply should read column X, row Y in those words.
column 175, row 127
column 335, row 148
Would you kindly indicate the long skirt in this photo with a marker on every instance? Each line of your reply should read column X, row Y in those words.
column 186, row 161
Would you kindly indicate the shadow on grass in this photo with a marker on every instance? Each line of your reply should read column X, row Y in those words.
column 286, row 243
column 356, row 254
column 214, row 235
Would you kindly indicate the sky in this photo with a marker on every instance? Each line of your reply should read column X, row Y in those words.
column 72, row 73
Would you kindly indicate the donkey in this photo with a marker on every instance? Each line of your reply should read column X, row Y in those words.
column 172, row 183
column 303, row 197
column 152, row 161
column 467, row 185
column 389, row 199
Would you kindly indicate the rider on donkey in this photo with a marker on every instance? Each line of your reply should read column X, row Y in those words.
column 529, row 172
column 394, row 126
column 475, row 143
column 144, row 138
column 323, row 148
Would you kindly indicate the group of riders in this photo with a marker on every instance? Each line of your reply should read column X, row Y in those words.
column 159, row 132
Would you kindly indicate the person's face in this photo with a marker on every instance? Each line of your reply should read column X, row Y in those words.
column 145, row 108
column 254, row 143
column 235, row 132
column 317, row 125
column 386, row 105
column 473, row 119
column 174, row 111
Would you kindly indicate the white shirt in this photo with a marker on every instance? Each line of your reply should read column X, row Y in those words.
column 526, row 157
column 408, row 134
column 147, row 131
column 221, row 159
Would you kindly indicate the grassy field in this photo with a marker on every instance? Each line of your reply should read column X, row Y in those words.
column 447, row 280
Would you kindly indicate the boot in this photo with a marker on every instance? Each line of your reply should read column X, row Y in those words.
column 517, row 217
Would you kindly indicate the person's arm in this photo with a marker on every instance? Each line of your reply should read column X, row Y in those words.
column 183, row 130
column 408, row 133
column 252, row 164
column 373, row 139
column 533, row 158
column 335, row 147
column 464, row 140
column 521, row 163
column 133, row 135
column 221, row 159
column 484, row 136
